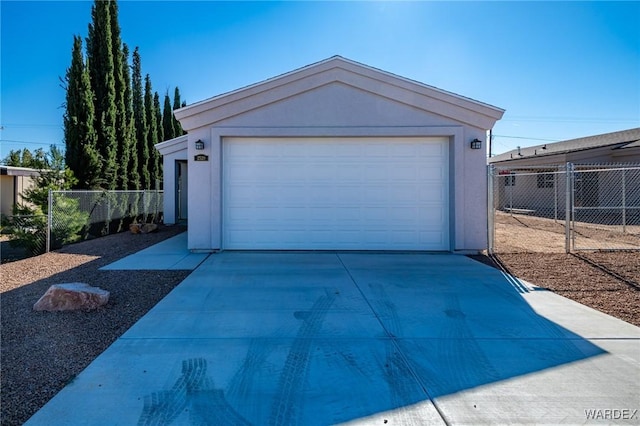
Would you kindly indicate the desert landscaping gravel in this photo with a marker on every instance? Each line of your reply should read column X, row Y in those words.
column 43, row 351
column 584, row 278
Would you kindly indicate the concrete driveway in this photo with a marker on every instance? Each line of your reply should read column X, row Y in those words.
column 326, row 338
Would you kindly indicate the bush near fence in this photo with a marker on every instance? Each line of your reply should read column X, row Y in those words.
column 79, row 215
column 107, row 212
column 596, row 207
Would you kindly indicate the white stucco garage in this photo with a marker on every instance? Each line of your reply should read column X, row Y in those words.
column 333, row 156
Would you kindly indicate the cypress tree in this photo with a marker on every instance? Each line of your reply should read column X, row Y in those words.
column 132, row 151
column 142, row 129
column 152, row 135
column 158, row 113
column 177, row 103
column 81, row 153
column 122, row 120
column 101, row 72
column 155, row 155
column 167, row 118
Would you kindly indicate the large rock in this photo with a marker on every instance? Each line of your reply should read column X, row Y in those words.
column 148, row 227
column 143, row 228
column 71, row 296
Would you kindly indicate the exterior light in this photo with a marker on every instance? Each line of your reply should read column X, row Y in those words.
column 199, row 145
column 476, row 144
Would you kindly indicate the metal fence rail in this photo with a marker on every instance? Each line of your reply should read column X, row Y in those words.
column 564, row 208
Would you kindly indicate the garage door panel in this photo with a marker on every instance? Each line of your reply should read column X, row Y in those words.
column 321, row 193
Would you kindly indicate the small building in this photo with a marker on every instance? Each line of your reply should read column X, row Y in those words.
column 606, row 176
column 333, row 156
column 617, row 147
column 14, row 181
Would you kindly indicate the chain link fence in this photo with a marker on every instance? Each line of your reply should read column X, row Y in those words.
column 78, row 215
column 564, row 208
column 23, row 236
column 74, row 216
column 606, row 208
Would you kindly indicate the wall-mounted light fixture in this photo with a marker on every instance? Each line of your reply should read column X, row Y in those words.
column 199, row 145
column 476, row 144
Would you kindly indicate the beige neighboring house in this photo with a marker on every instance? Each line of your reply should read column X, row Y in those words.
column 14, row 181
column 615, row 147
column 337, row 155
column 607, row 174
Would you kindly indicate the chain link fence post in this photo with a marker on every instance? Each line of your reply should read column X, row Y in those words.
column 49, row 220
column 624, row 201
column 490, row 209
column 568, row 207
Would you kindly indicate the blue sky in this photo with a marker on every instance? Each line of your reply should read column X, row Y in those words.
column 561, row 70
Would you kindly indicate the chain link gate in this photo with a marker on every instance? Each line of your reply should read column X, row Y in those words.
column 606, row 207
column 564, row 208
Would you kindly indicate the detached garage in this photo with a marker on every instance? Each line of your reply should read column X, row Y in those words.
column 333, row 156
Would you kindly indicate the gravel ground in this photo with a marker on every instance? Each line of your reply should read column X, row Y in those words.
column 606, row 281
column 533, row 249
column 42, row 351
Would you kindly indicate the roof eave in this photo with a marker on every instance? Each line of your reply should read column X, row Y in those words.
column 172, row 145
column 482, row 115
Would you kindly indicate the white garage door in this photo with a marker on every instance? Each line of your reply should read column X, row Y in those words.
column 328, row 193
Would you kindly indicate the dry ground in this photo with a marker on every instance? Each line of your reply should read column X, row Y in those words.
column 533, row 249
column 518, row 233
column 42, row 351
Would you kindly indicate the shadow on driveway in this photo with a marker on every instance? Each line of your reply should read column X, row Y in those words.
column 325, row 338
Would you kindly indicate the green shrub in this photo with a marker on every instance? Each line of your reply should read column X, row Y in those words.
column 67, row 220
column 29, row 229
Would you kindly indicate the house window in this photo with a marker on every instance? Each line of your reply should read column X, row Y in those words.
column 510, row 180
column 546, row 180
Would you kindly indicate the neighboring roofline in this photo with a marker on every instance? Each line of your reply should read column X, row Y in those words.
column 295, row 77
column 622, row 139
column 18, row 171
column 634, row 144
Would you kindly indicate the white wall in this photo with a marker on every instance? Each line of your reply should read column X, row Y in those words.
column 340, row 98
column 340, row 111
column 171, row 151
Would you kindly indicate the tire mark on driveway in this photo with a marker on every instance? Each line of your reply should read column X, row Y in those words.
column 193, row 391
column 288, row 401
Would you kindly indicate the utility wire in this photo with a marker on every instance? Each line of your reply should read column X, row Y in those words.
column 31, row 142
column 525, row 137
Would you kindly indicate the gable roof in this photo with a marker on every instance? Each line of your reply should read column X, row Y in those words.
column 338, row 69
column 616, row 140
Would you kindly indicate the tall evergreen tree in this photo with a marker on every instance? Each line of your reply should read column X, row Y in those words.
column 152, row 135
column 167, row 118
column 101, row 71
column 122, row 120
column 158, row 112
column 156, row 158
column 139, row 116
column 132, row 151
column 177, row 103
column 80, row 137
